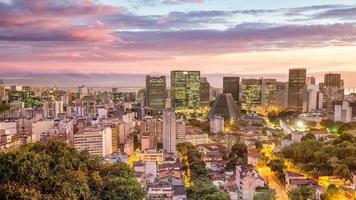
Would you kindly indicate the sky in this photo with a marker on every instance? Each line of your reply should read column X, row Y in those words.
column 157, row 36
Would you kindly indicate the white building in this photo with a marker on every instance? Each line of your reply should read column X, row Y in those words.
column 313, row 98
column 169, row 131
column 98, row 141
column 217, row 124
column 40, row 127
column 343, row 112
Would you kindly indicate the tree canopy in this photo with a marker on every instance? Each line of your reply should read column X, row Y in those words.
column 56, row 171
column 195, row 170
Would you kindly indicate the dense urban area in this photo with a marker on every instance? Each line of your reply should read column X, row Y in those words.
column 253, row 139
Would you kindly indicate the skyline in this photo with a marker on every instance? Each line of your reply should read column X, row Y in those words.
column 157, row 36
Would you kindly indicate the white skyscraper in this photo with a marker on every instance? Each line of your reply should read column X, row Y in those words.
column 169, row 133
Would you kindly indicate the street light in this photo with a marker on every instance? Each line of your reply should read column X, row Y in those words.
column 300, row 124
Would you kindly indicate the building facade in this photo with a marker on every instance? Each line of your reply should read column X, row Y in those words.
column 296, row 88
column 232, row 85
column 185, row 90
column 155, row 96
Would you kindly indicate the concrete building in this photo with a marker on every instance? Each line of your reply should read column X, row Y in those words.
column 342, row 112
column 155, row 96
column 217, row 124
column 313, row 99
column 251, row 93
column 197, row 139
column 181, row 131
column 98, row 141
column 169, row 131
column 296, row 88
column 268, row 91
column 231, row 85
column 152, row 127
column 204, row 92
column 224, row 106
column 185, row 90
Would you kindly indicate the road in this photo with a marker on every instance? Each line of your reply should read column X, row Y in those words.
column 268, row 176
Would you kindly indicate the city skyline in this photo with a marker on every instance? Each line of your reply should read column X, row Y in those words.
column 150, row 36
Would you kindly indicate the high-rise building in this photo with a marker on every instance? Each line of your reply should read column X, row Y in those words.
column 280, row 97
column 310, row 80
column 169, row 131
column 181, row 131
column 98, row 141
column 332, row 80
column 251, row 93
column 268, row 91
column 232, row 85
column 185, row 89
column 83, row 91
column 342, row 112
column 152, row 128
column 204, row 92
column 333, row 89
column 155, row 95
column 296, row 88
column 313, row 98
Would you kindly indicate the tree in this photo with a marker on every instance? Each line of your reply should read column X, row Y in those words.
column 278, row 166
column 342, row 171
column 301, row 193
column 202, row 187
column 308, row 136
column 4, row 107
column 56, row 171
column 258, row 145
column 237, row 156
column 327, row 123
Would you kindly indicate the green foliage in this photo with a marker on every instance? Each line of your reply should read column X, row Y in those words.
column 258, row 145
column 308, row 136
column 301, row 193
column 203, row 125
column 278, row 166
column 56, row 171
column 202, row 187
column 266, row 194
column 237, row 156
column 4, row 107
column 336, row 158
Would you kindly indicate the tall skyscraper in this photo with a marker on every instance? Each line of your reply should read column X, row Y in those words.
column 296, row 88
column 232, row 85
column 169, row 131
column 332, row 80
column 268, row 91
column 333, row 89
column 251, row 93
column 156, row 93
column 204, row 91
column 185, row 89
